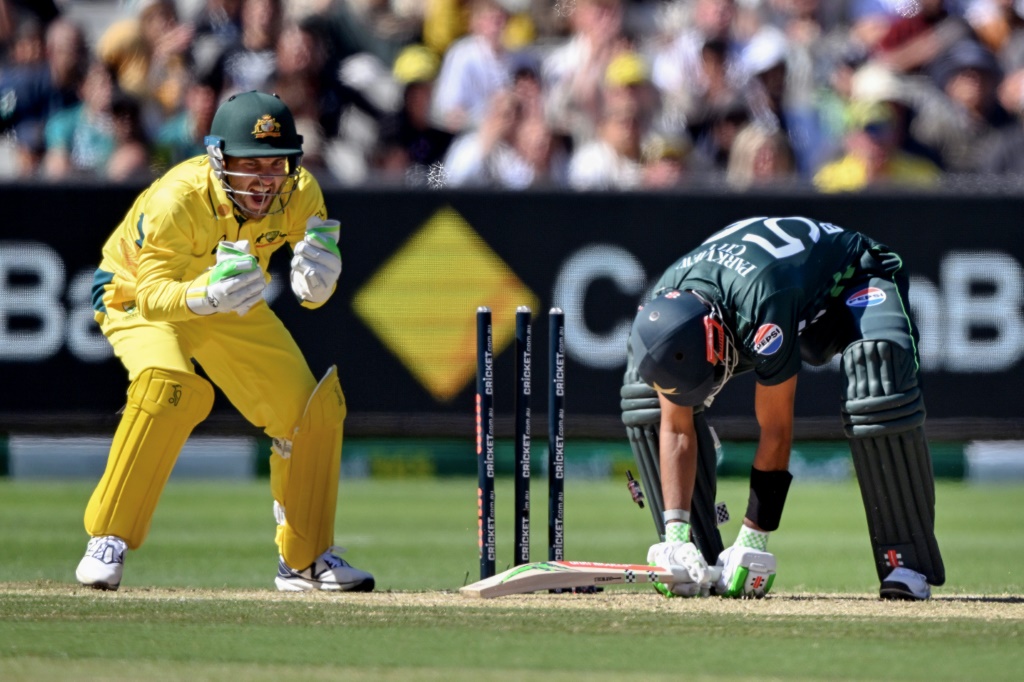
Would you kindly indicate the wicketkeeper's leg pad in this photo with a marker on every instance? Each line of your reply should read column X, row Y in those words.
column 883, row 417
column 305, row 476
column 163, row 408
column 641, row 414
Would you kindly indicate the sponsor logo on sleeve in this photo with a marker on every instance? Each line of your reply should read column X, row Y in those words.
column 865, row 298
column 768, row 339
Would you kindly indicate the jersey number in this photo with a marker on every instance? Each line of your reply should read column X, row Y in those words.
column 790, row 245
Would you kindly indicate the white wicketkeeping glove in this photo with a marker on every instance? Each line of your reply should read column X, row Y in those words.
column 316, row 264
column 234, row 284
column 684, row 560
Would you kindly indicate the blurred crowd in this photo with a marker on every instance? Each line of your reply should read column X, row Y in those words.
column 839, row 95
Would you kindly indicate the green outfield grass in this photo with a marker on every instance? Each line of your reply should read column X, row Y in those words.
column 196, row 602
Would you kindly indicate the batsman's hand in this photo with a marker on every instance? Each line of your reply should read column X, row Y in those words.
column 316, row 264
column 685, row 561
column 234, row 284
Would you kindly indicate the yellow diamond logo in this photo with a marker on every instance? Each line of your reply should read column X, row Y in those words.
column 422, row 302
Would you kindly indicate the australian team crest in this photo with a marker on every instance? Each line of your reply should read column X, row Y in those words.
column 266, row 126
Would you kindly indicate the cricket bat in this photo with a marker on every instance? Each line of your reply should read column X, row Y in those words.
column 554, row 575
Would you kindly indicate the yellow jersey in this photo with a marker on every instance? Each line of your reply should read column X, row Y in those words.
column 170, row 237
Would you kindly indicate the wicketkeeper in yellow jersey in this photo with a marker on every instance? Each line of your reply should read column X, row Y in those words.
column 182, row 281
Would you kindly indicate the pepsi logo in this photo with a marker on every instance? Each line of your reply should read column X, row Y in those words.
column 865, row 298
column 768, row 339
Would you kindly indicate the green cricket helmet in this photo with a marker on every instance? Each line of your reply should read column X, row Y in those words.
column 681, row 348
column 254, row 125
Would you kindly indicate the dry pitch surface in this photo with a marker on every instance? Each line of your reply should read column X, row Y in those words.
column 783, row 604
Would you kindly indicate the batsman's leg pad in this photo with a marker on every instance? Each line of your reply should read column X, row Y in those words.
column 163, row 408
column 883, row 416
column 310, row 484
column 641, row 414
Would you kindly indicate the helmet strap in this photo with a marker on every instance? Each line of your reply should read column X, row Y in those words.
column 716, row 350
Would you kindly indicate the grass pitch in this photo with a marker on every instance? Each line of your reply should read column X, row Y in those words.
column 197, row 601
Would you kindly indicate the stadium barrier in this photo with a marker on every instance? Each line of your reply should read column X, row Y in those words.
column 417, row 264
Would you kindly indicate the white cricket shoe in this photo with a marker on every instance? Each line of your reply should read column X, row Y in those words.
column 103, row 563
column 745, row 572
column 329, row 572
column 903, row 583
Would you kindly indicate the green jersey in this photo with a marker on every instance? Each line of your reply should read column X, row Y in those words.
column 771, row 277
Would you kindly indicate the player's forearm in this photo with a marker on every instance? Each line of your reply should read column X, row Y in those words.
column 163, row 301
column 678, row 469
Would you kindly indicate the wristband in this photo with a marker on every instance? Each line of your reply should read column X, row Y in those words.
column 680, row 515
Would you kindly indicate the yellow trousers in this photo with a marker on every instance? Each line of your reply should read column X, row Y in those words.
column 255, row 361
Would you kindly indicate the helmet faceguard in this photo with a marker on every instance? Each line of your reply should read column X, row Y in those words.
column 255, row 125
column 682, row 349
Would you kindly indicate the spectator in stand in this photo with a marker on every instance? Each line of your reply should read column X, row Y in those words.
column 612, row 160
column 873, row 157
column 32, row 91
column 80, row 139
column 473, row 70
column 217, row 27
column 252, row 61
column 760, row 158
column 445, row 21
column 919, row 34
column 28, row 47
column 527, row 83
column 305, row 67
column 380, row 28
column 149, row 55
column 410, row 144
column 543, row 153
column 968, row 75
column 715, row 138
column 506, row 150
column 833, row 93
column 574, row 73
column 181, row 137
column 627, row 80
column 130, row 159
column 664, row 159
column 907, row 97
column 302, row 82
column 221, row 19
column 1003, row 153
column 771, row 98
column 999, row 25
column 13, row 13
column 699, row 68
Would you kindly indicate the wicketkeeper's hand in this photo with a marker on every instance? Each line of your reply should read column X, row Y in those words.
column 683, row 559
column 234, row 284
column 316, row 264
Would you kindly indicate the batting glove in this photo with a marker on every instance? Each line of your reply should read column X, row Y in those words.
column 316, row 264
column 234, row 284
column 685, row 556
column 744, row 572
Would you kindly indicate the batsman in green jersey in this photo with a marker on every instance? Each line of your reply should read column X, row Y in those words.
column 766, row 295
